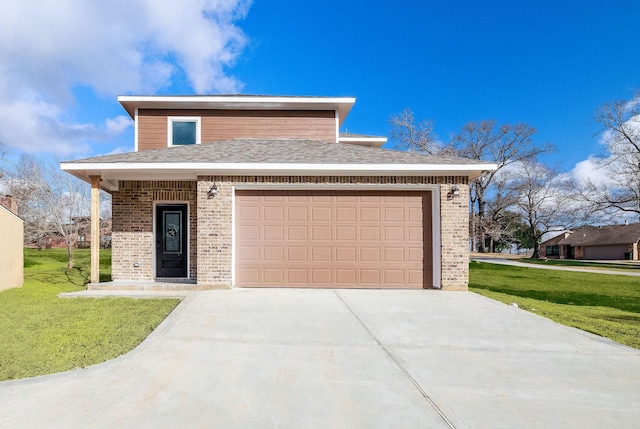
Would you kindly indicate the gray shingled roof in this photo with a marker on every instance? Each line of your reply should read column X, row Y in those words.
column 603, row 235
column 277, row 151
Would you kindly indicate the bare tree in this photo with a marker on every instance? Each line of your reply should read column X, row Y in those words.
column 503, row 144
column 620, row 123
column 31, row 209
column 500, row 224
column 50, row 201
column 544, row 199
column 412, row 136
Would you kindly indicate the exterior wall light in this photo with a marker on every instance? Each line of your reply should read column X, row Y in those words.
column 213, row 191
column 454, row 191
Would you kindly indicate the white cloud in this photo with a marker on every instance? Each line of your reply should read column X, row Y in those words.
column 590, row 170
column 47, row 49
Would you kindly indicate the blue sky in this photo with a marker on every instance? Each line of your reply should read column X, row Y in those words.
column 550, row 64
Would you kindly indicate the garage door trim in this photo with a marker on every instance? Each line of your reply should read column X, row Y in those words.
column 435, row 213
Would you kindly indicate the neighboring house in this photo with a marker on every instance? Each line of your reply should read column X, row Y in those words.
column 254, row 191
column 613, row 242
column 83, row 225
column 11, row 245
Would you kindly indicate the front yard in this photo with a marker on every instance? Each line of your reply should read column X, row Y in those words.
column 42, row 334
column 607, row 305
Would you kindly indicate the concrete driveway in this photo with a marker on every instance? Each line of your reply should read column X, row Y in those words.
column 255, row 358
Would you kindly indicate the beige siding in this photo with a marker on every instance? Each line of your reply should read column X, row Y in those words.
column 11, row 250
column 217, row 125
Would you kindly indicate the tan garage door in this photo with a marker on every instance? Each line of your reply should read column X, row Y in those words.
column 370, row 239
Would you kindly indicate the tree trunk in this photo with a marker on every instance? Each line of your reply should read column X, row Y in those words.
column 70, row 254
column 481, row 221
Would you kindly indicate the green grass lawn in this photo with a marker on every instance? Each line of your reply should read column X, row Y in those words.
column 42, row 334
column 631, row 266
column 607, row 305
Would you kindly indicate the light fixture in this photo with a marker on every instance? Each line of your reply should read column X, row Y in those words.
column 213, row 191
column 454, row 191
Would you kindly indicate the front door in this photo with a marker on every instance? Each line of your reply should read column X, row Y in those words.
column 171, row 240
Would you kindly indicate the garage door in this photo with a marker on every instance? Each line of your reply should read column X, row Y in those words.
column 368, row 239
column 605, row 252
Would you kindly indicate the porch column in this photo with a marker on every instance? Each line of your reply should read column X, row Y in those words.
column 95, row 229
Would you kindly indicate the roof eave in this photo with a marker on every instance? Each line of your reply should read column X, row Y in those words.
column 240, row 102
column 112, row 172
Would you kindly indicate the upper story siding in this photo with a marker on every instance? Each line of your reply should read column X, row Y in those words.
column 217, row 125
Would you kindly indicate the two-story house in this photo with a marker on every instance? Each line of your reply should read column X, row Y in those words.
column 264, row 191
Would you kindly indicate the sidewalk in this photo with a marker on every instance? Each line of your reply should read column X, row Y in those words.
column 505, row 261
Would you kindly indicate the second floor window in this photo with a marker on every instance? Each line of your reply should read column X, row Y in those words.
column 183, row 131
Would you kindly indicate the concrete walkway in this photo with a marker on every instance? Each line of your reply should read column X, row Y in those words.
column 277, row 358
column 514, row 263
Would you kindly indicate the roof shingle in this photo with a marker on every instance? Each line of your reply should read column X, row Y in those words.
column 277, row 151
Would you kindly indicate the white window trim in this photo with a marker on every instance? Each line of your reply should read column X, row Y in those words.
column 172, row 119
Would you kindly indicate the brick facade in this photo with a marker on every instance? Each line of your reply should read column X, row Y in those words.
column 454, row 233
column 132, row 233
column 211, row 223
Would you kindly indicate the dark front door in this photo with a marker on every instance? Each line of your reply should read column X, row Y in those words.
column 171, row 240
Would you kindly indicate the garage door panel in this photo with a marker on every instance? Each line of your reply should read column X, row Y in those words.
column 248, row 253
column 394, row 233
column 296, row 277
column 345, row 214
column 273, row 232
column 273, row 214
column 370, row 214
column 394, row 277
column 369, row 254
column 321, row 233
column 370, row 277
column 321, row 254
column 321, row 214
column 333, row 239
column 298, row 214
column 345, row 254
column 321, row 276
column 249, row 233
column 248, row 212
column 394, row 254
column 273, row 275
column 296, row 254
column 248, row 276
column 273, row 253
column 415, row 234
column 370, row 233
column 345, row 233
column 346, row 277
column 297, row 233
column 394, row 214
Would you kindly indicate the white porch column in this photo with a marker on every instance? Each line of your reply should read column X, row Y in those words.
column 95, row 229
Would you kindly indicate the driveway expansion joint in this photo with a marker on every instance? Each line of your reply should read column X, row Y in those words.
column 391, row 356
